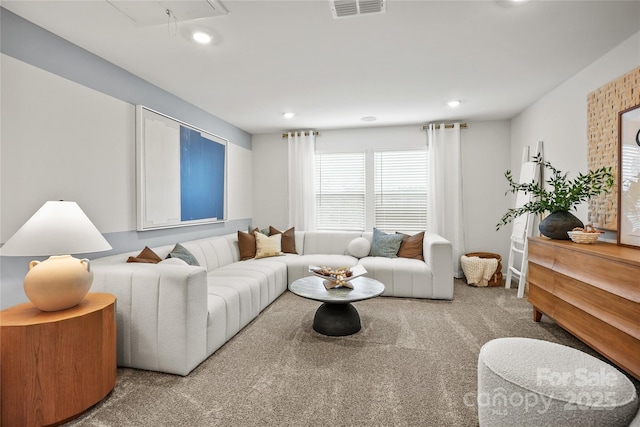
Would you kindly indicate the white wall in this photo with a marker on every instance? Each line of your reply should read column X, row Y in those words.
column 485, row 158
column 270, row 202
column 384, row 138
column 560, row 117
column 485, row 151
column 63, row 141
column 239, row 182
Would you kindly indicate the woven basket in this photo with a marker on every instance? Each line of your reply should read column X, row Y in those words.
column 581, row 237
column 496, row 279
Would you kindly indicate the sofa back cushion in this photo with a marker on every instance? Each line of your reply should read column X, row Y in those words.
column 328, row 242
column 300, row 241
column 215, row 252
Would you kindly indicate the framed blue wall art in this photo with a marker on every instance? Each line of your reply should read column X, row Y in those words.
column 181, row 173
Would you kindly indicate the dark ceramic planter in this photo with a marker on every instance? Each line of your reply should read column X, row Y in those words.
column 556, row 225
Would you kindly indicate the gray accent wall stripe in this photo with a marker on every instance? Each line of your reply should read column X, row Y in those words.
column 34, row 45
column 127, row 241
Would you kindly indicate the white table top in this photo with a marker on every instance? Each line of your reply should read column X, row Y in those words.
column 312, row 287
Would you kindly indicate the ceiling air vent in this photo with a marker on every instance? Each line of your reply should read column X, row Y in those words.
column 344, row 8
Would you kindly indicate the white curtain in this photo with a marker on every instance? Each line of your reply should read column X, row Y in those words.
column 444, row 208
column 302, row 194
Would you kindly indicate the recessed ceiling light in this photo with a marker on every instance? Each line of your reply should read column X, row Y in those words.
column 201, row 37
column 453, row 104
column 287, row 115
column 369, row 118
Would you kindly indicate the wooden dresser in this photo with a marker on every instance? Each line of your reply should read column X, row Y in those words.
column 592, row 291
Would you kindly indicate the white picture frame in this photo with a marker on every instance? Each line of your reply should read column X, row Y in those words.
column 181, row 173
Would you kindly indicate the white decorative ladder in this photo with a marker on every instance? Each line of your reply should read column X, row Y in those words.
column 523, row 224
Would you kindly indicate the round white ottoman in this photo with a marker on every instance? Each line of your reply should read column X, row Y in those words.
column 527, row 382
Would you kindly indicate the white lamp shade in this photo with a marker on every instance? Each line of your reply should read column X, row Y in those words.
column 57, row 228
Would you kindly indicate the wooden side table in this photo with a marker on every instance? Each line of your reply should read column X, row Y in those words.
column 55, row 365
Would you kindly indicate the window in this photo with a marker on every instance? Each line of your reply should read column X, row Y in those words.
column 400, row 181
column 394, row 198
column 340, row 191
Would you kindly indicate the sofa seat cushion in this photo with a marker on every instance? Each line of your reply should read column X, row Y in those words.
column 269, row 274
column 231, row 301
column 298, row 266
column 216, row 322
column 402, row 277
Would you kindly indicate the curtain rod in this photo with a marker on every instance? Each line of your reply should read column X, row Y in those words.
column 284, row 135
column 446, row 126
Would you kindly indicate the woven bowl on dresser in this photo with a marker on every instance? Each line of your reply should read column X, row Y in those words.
column 582, row 237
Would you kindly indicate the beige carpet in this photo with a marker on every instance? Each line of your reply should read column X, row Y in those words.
column 412, row 364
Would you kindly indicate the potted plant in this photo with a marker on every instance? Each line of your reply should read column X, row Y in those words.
column 563, row 196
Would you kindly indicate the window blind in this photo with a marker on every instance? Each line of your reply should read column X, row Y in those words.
column 340, row 191
column 401, row 183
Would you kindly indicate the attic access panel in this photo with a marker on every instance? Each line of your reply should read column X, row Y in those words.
column 147, row 13
column 344, row 8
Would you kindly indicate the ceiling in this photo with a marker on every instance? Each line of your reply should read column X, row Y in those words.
column 400, row 66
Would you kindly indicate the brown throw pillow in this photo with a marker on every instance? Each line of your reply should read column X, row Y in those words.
column 146, row 256
column 247, row 244
column 411, row 246
column 288, row 239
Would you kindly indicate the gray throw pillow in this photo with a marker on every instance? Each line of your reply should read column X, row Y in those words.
column 181, row 252
column 385, row 245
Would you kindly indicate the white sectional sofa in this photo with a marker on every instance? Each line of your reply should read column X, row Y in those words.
column 172, row 317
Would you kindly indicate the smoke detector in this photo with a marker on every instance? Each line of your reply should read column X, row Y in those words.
column 344, row 8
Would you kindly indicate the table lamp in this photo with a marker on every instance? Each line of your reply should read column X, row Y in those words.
column 58, row 228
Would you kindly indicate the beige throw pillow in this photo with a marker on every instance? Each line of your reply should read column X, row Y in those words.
column 267, row 246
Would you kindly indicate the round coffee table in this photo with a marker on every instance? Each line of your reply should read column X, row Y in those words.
column 336, row 316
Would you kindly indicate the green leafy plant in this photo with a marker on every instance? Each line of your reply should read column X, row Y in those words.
column 565, row 194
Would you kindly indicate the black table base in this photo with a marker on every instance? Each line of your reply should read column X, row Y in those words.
column 336, row 320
